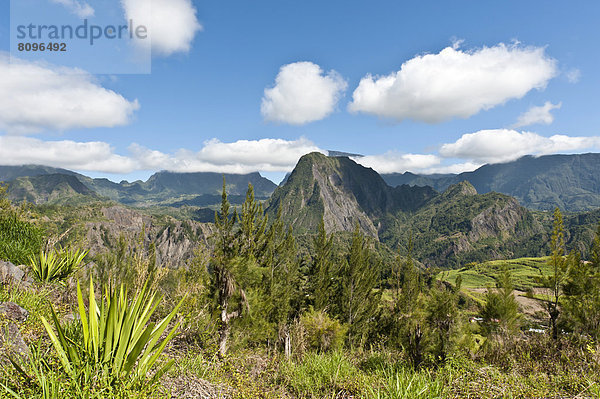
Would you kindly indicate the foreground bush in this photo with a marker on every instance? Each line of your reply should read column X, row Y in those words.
column 112, row 348
column 322, row 333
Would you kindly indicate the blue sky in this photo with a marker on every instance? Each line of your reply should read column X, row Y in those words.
column 211, row 87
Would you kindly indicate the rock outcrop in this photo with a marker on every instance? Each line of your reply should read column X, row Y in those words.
column 12, row 345
column 10, row 273
column 175, row 240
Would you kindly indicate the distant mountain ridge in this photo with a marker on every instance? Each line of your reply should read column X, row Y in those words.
column 571, row 182
column 34, row 183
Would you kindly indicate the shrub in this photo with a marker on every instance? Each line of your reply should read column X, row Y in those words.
column 322, row 332
column 119, row 345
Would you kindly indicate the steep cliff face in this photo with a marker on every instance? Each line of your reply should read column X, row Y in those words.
column 341, row 210
column 341, row 192
column 175, row 240
column 499, row 220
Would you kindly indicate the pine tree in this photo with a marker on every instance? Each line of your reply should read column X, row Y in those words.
column 282, row 282
column 442, row 318
column 501, row 310
column 253, row 224
column 322, row 270
column 559, row 265
column 582, row 292
column 224, row 284
column 358, row 300
column 409, row 308
column 408, row 282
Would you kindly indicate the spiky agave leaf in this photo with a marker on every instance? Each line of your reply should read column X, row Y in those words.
column 118, row 338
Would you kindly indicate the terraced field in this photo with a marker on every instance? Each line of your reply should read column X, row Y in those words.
column 525, row 273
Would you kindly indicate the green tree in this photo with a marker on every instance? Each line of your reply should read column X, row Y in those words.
column 322, row 269
column 559, row 264
column 253, row 226
column 409, row 308
column 501, row 310
column 282, row 283
column 358, row 300
column 270, row 275
column 582, row 292
column 442, row 317
column 230, row 297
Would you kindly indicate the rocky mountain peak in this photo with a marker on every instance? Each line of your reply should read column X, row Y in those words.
column 341, row 192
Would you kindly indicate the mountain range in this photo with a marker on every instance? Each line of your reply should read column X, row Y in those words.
column 571, row 182
column 46, row 185
column 449, row 228
column 450, row 219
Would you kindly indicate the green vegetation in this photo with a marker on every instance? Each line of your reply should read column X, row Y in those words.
column 525, row 273
column 582, row 292
column 119, row 344
column 255, row 315
column 19, row 238
column 53, row 186
column 55, row 265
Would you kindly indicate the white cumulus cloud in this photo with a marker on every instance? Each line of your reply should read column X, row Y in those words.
column 243, row 156
column 454, row 83
column 172, row 24
column 36, row 97
column 504, row 145
column 454, row 168
column 80, row 8
column 538, row 115
column 91, row 156
column 395, row 162
column 302, row 93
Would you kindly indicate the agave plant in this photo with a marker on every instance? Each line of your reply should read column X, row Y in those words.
column 119, row 341
column 54, row 265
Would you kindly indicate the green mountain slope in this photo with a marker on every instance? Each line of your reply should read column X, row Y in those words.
column 570, row 182
column 8, row 173
column 448, row 229
column 461, row 226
